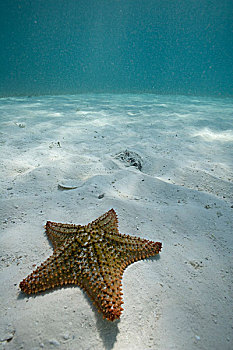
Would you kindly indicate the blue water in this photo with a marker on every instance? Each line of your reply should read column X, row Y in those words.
column 158, row 46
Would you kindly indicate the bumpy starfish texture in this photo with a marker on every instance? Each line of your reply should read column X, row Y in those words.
column 93, row 257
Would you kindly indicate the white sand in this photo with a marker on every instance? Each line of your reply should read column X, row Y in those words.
column 182, row 197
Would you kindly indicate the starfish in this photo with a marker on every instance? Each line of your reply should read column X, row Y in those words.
column 93, row 257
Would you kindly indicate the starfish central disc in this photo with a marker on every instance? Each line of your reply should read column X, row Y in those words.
column 93, row 257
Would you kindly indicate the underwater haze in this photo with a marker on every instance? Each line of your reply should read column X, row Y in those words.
column 157, row 46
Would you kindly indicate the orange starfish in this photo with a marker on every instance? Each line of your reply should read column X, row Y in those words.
column 94, row 257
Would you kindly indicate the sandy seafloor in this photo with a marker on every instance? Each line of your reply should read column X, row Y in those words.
column 182, row 197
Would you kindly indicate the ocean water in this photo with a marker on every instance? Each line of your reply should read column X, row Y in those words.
column 156, row 46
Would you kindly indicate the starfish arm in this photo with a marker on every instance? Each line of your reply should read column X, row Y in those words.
column 109, row 219
column 104, row 286
column 133, row 248
column 57, row 270
column 106, row 293
column 59, row 233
